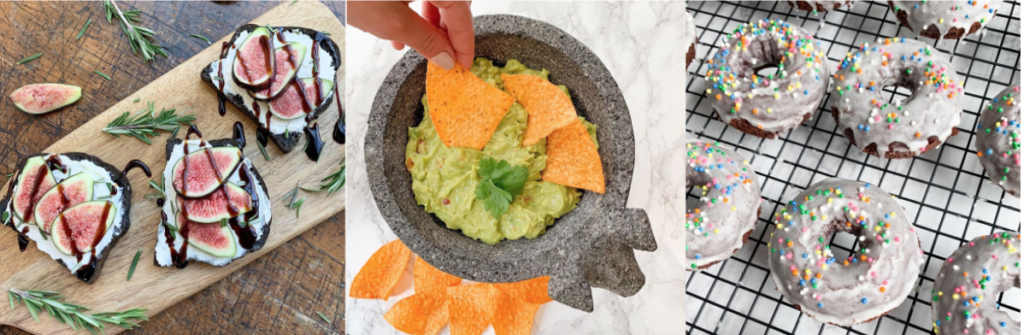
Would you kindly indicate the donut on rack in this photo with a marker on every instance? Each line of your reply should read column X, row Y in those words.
column 998, row 140
column 729, row 205
column 869, row 283
column 945, row 19
column 904, row 128
column 819, row 6
column 765, row 106
column 966, row 292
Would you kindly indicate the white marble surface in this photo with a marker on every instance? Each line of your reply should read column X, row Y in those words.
column 638, row 42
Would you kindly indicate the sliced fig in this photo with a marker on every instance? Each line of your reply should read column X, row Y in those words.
column 44, row 98
column 289, row 105
column 287, row 67
column 210, row 237
column 214, row 207
column 86, row 223
column 203, row 178
column 254, row 61
column 33, row 181
column 73, row 191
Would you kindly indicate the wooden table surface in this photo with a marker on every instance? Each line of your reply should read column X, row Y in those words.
column 281, row 292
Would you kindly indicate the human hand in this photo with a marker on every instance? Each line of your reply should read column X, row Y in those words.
column 444, row 34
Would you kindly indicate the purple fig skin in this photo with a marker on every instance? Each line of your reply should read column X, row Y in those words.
column 44, row 98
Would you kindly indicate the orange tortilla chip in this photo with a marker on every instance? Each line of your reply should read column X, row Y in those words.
column 573, row 159
column 514, row 316
column 465, row 110
column 533, row 291
column 437, row 320
column 412, row 314
column 547, row 107
column 471, row 308
column 381, row 272
column 430, row 281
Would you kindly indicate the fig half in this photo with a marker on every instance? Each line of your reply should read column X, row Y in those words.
column 33, row 181
column 203, row 178
column 44, row 98
column 74, row 190
column 254, row 61
column 288, row 105
column 86, row 222
column 285, row 71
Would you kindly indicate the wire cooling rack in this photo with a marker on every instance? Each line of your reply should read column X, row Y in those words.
column 945, row 191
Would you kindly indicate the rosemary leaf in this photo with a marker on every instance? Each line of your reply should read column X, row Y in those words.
column 332, row 183
column 138, row 36
column 104, row 75
column 135, row 262
column 223, row 222
column 202, row 38
column 323, row 317
column 136, row 100
column 82, row 32
column 218, row 78
column 297, row 206
column 263, row 150
column 30, row 58
column 326, row 33
column 293, row 2
column 170, row 227
column 146, row 123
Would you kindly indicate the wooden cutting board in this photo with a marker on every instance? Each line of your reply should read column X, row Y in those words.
column 152, row 287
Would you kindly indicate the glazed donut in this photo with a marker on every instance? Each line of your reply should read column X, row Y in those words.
column 689, row 34
column 760, row 106
column 904, row 128
column 965, row 295
column 729, row 205
column 819, row 6
column 945, row 19
column 998, row 141
column 844, row 292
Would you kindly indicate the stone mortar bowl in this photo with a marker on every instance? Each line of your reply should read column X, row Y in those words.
column 592, row 245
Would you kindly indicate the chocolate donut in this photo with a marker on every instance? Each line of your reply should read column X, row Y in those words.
column 819, row 6
column 998, row 140
column 689, row 34
column 945, row 19
column 729, row 204
column 872, row 281
column 760, row 106
column 966, row 292
column 902, row 129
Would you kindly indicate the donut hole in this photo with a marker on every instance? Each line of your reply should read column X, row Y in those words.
column 848, row 242
column 767, row 70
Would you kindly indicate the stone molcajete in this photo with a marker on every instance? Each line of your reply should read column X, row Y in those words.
column 592, row 245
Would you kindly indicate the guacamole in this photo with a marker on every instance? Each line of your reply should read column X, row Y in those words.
column 444, row 179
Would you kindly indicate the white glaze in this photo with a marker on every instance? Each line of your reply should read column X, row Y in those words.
column 163, row 253
column 929, row 111
column 100, row 190
column 996, row 144
column 892, row 254
column 733, row 213
column 277, row 125
column 946, row 15
column 730, row 78
column 994, row 258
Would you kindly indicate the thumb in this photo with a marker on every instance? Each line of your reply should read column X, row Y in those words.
column 429, row 41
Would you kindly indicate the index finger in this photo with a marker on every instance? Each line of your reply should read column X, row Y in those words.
column 457, row 17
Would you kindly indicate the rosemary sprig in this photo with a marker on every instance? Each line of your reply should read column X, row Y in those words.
column 138, row 36
column 146, row 123
column 170, row 227
column 135, row 262
column 71, row 314
column 82, row 32
column 202, row 38
column 104, row 75
column 30, row 58
column 323, row 317
column 218, row 78
column 332, row 183
column 293, row 203
column 159, row 194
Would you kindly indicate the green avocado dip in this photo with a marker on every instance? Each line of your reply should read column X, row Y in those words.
column 444, row 179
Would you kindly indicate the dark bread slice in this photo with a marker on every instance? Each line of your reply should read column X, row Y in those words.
column 226, row 142
column 286, row 143
column 124, row 187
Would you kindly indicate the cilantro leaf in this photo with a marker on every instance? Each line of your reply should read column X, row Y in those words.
column 500, row 183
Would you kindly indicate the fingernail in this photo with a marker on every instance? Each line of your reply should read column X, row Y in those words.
column 443, row 60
